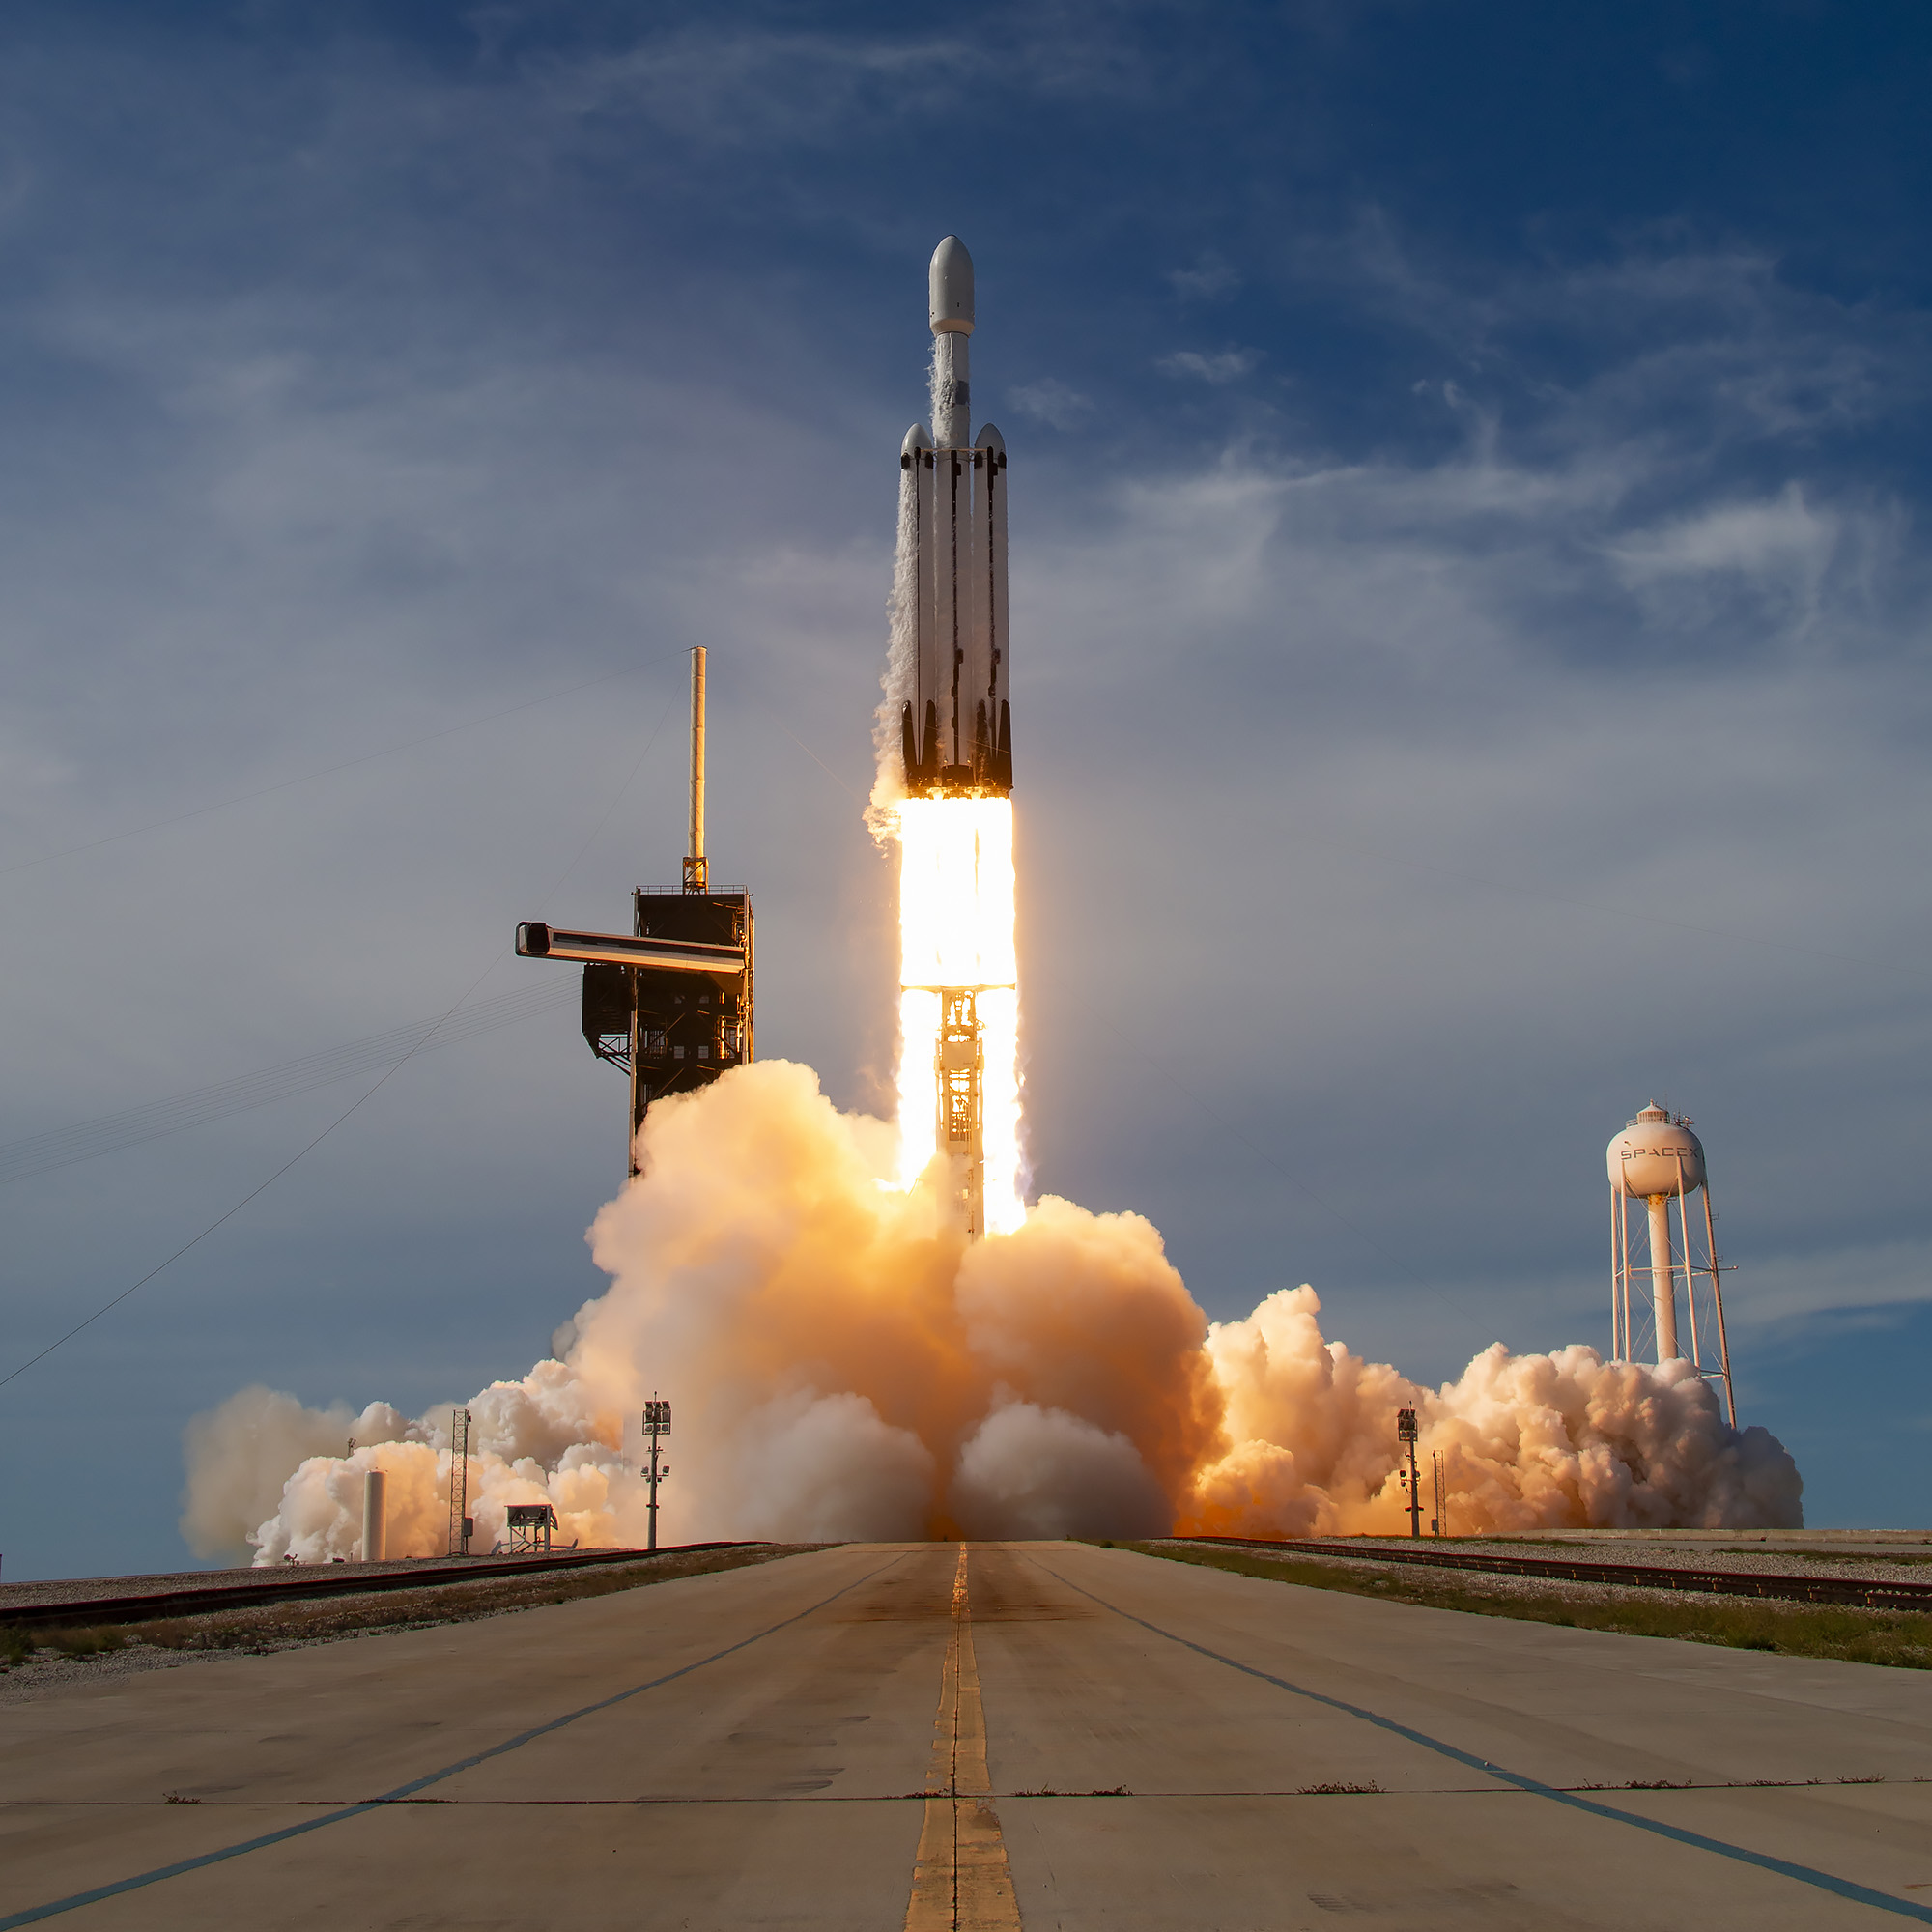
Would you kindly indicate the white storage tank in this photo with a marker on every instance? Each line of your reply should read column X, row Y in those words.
column 1655, row 1154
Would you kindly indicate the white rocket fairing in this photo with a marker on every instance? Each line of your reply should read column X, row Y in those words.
column 957, row 725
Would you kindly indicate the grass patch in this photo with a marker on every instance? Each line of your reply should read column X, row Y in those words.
column 1900, row 1638
column 269, row 1626
column 19, row 1647
column 86, row 1639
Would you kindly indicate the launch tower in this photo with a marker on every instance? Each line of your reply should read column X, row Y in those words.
column 671, row 1001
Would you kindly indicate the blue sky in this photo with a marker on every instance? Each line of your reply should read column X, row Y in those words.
column 1471, row 607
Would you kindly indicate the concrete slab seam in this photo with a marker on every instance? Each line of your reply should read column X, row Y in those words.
column 1841, row 1887
column 961, row 1880
column 34, row 1914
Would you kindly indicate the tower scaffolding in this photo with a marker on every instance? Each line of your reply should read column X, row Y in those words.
column 960, row 1062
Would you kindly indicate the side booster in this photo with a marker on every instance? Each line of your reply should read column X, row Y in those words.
column 957, row 729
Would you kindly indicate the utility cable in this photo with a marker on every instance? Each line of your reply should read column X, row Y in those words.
column 327, row 771
column 367, row 1094
column 89, row 1140
column 820, row 762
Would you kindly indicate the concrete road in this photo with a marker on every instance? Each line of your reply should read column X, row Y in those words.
column 1047, row 1735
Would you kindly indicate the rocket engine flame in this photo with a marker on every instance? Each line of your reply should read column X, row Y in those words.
column 957, row 935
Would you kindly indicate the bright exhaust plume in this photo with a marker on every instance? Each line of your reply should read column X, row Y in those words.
column 956, row 929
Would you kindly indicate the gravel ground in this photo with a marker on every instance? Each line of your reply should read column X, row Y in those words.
column 1496, row 1588
column 1502, row 1585
column 85, row 1589
column 219, row 1635
column 1903, row 1557
column 48, row 1673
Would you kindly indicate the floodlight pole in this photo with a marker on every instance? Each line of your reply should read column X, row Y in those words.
column 657, row 1426
column 1405, row 1433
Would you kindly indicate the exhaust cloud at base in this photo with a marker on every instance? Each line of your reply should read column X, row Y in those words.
column 847, row 1365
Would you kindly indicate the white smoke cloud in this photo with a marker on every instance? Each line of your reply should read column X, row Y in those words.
column 824, row 1468
column 1526, row 1440
column 1041, row 1472
column 843, row 1364
column 241, row 1453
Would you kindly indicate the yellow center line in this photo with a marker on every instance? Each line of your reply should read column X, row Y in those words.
column 961, row 1882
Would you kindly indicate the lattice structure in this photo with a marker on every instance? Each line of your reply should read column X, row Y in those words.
column 461, row 1528
column 960, row 1061
column 671, row 1001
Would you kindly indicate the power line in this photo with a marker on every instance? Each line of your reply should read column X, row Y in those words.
column 327, row 771
column 369, row 1093
column 88, row 1140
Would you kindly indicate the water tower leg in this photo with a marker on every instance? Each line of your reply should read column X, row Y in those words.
column 1662, row 1278
column 1690, row 1272
column 1717, row 1302
column 1616, row 1276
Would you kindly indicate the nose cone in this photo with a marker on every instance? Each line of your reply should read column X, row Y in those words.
column 951, row 288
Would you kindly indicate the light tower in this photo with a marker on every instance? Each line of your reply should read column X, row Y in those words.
column 657, row 1426
column 1657, row 1159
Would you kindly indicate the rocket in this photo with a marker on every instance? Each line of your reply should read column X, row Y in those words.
column 955, row 725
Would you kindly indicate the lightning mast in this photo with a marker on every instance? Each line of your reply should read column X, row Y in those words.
column 461, row 1528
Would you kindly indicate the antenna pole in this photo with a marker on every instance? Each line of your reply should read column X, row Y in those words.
column 696, row 868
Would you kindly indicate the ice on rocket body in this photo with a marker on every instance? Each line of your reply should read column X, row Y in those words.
column 956, row 728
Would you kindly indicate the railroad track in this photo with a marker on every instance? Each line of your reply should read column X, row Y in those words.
column 314, row 1582
column 1871, row 1596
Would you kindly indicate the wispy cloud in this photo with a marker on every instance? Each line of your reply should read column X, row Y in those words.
column 1226, row 365
column 1052, row 402
column 1211, row 278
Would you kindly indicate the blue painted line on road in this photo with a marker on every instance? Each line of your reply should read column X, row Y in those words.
column 34, row 1914
column 1840, row 1887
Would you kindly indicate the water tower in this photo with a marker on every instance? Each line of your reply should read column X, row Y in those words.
column 1659, row 1161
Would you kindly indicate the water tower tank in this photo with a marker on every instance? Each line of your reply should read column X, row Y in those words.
column 1649, row 1155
